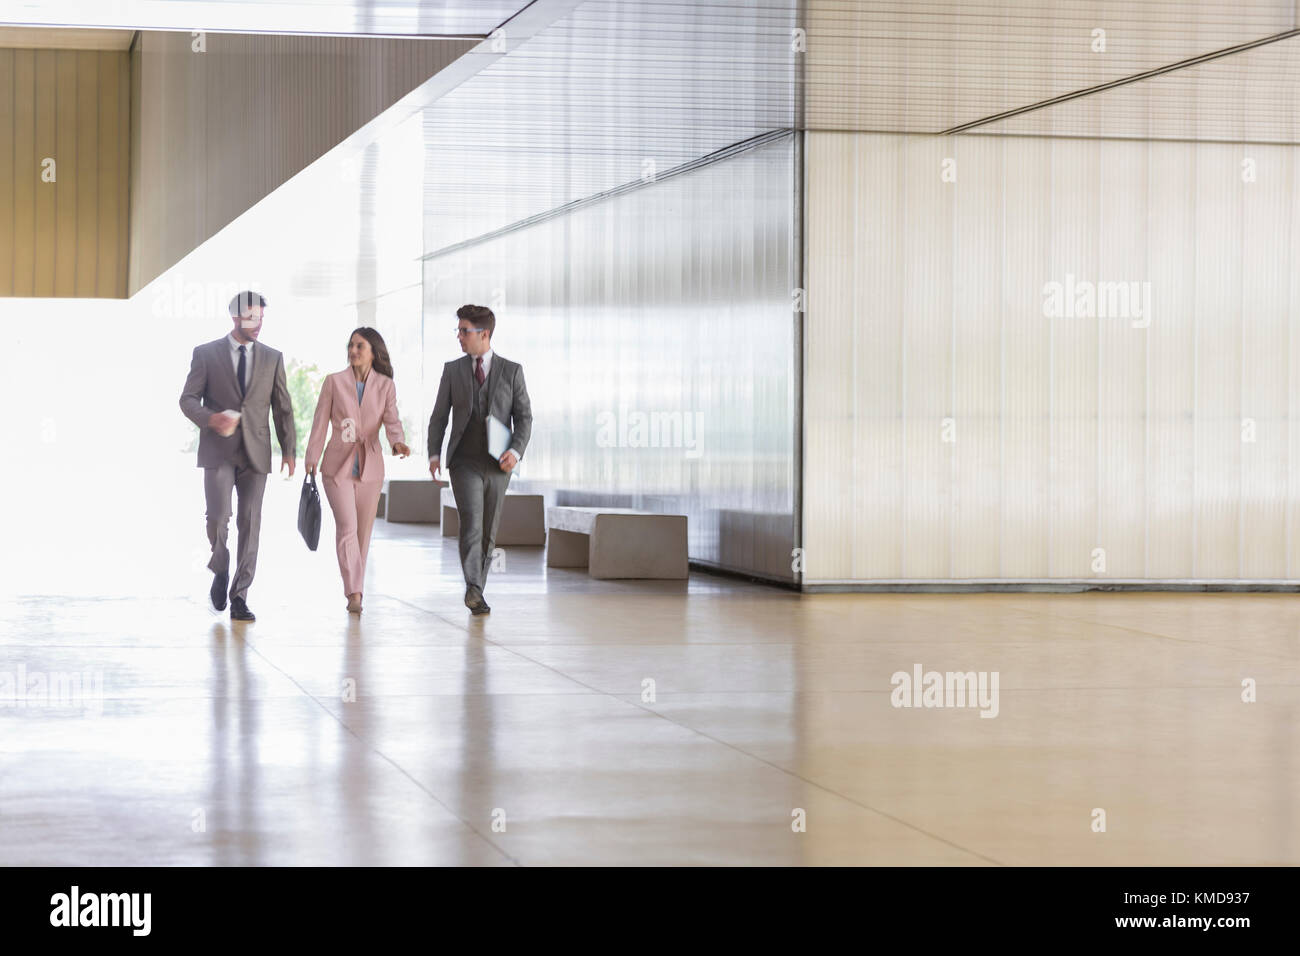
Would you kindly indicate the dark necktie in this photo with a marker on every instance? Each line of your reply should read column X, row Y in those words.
column 240, row 373
column 478, row 370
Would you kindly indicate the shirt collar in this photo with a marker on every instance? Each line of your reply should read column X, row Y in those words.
column 235, row 343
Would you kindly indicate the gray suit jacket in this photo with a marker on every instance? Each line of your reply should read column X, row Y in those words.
column 507, row 401
column 211, row 387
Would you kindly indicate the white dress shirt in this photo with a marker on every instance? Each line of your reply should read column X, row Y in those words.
column 248, row 359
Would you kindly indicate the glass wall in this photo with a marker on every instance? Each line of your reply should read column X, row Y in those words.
column 656, row 330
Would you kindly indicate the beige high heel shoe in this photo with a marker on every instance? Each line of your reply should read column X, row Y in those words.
column 354, row 604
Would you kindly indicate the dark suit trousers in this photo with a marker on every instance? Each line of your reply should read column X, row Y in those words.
column 479, row 485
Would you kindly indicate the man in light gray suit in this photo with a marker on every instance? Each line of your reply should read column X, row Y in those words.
column 472, row 388
column 238, row 373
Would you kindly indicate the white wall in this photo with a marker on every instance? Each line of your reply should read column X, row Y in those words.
column 926, row 302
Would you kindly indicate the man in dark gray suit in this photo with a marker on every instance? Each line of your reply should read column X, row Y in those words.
column 238, row 373
column 472, row 388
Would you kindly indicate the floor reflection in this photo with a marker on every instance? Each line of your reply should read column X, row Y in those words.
column 314, row 737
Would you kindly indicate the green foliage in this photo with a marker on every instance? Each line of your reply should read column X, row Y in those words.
column 408, row 429
column 304, row 383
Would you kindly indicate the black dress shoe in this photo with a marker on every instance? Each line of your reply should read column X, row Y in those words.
column 473, row 596
column 218, row 593
column 239, row 610
column 481, row 607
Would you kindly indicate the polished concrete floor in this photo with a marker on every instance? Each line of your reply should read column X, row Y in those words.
column 420, row 735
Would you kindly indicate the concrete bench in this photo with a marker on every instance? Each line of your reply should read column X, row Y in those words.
column 413, row 501
column 523, row 519
column 617, row 542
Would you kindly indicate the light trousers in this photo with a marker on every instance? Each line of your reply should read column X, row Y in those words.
column 354, row 503
column 239, row 475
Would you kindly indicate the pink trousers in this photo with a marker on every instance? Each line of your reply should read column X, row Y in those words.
column 354, row 504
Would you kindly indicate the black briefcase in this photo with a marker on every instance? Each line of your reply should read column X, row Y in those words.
column 309, row 512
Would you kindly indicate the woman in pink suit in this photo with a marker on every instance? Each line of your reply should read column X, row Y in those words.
column 355, row 402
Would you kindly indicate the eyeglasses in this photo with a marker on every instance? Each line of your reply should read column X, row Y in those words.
column 460, row 331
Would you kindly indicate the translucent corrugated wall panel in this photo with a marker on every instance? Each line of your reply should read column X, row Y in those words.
column 1049, row 359
column 656, row 329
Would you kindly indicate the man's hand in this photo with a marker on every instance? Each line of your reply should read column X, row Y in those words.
column 401, row 450
column 433, row 469
column 508, row 460
column 289, row 462
column 220, row 421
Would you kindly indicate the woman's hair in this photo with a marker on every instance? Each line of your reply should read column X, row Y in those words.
column 382, row 364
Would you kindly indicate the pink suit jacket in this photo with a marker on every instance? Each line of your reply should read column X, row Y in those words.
column 337, row 407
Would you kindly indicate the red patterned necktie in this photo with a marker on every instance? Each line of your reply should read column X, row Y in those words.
column 478, row 370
